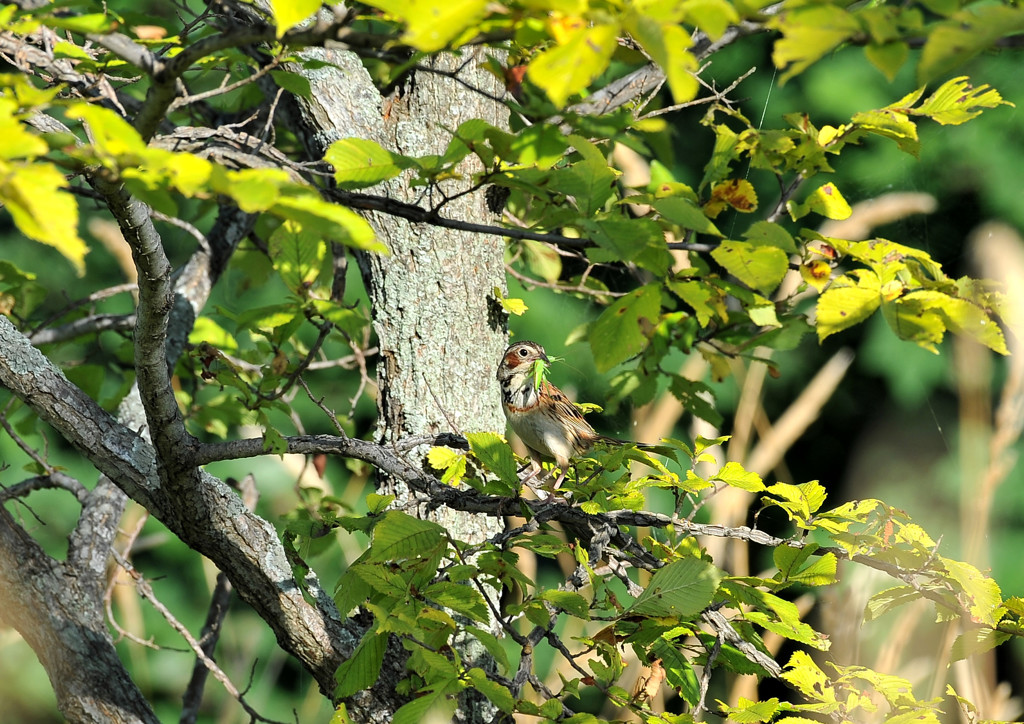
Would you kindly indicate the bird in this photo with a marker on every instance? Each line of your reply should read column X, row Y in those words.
column 548, row 424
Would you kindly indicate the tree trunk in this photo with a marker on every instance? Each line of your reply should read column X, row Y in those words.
column 440, row 330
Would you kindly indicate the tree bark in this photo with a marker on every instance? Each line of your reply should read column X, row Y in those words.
column 440, row 330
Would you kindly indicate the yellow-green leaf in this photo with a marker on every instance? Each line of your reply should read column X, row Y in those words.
column 888, row 57
column 957, row 101
column 432, row 24
column 759, row 267
column 32, row 195
column 667, row 45
column 297, row 253
column 359, row 163
column 289, row 13
column 850, row 300
column 567, row 69
column 330, row 220
column 808, row 33
column 825, row 200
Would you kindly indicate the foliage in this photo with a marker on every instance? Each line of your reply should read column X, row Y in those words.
column 725, row 275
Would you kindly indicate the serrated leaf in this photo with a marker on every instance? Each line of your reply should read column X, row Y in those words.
column 848, row 301
column 980, row 592
column 680, row 589
column 624, row 239
column 957, row 101
column 433, row 706
column 623, row 329
column 399, row 536
column 666, row 43
column 569, row 67
column 361, row 670
column 495, row 692
column 433, row 24
column 492, row 450
column 460, row 598
column 377, row 503
column 331, row 221
column 490, row 642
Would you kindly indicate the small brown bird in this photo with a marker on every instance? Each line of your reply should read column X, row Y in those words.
column 550, row 426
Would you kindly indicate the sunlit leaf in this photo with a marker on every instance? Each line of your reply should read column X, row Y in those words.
column 568, row 68
column 759, row 267
column 359, row 163
column 825, row 200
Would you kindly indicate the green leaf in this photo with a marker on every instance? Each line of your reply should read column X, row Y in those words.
column 759, row 267
column 623, row 329
column 495, row 692
column 680, row 589
column 292, row 82
column 434, row 706
column 964, row 35
column 495, row 453
column 492, row 644
column 686, row 214
column 460, row 598
column 888, row 57
column 678, row 671
column 569, row 601
column 848, row 301
column 589, row 183
column 361, row 670
column 625, row 239
column 568, row 68
column 980, row 593
column 359, row 163
column 289, row 13
column 400, row 536
column 765, row 233
column 298, row 255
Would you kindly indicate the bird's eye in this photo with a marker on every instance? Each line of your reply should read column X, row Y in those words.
column 523, row 352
